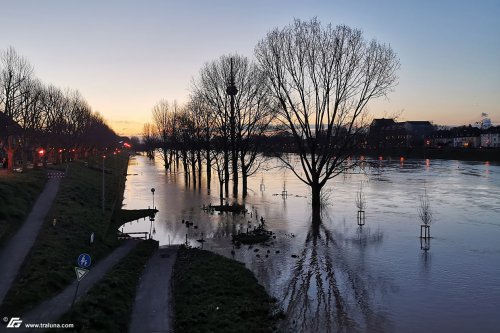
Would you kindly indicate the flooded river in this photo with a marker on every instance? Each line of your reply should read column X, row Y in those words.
column 337, row 276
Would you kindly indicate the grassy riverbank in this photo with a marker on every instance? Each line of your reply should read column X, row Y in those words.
column 108, row 305
column 50, row 265
column 18, row 193
column 216, row 294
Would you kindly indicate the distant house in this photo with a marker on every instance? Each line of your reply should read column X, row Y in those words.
column 386, row 133
column 466, row 137
column 417, row 132
column 440, row 138
column 491, row 138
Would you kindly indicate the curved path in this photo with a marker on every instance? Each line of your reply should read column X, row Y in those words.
column 14, row 252
column 50, row 310
column 152, row 311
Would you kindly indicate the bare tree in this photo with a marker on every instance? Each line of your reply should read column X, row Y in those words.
column 15, row 71
column 206, row 131
column 45, row 116
column 252, row 111
column 254, row 114
column 424, row 208
column 148, row 140
column 323, row 78
column 360, row 199
column 210, row 87
column 164, row 119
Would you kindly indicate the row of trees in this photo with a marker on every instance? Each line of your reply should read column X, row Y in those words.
column 313, row 80
column 46, row 116
column 206, row 132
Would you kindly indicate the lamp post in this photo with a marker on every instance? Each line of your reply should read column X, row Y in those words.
column 232, row 91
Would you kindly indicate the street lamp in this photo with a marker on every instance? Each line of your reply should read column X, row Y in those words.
column 232, row 91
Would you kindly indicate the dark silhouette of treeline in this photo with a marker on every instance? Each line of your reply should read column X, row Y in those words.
column 39, row 119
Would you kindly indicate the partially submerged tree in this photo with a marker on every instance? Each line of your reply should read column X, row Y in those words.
column 424, row 208
column 323, row 78
column 360, row 199
column 149, row 140
column 252, row 112
column 164, row 120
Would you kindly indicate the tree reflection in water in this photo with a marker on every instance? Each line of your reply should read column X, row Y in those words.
column 330, row 292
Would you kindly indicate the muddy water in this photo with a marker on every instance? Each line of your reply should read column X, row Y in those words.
column 343, row 277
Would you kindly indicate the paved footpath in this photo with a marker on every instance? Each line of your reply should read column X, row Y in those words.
column 51, row 310
column 152, row 310
column 14, row 252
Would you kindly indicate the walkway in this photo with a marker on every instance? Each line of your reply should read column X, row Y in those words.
column 152, row 310
column 14, row 252
column 51, row 310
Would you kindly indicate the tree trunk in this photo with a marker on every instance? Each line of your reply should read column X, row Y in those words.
column 244, row 180
column 186, row 169
column 221, row 191
column 166, row 161
column 209, row 170
column 193, row 169
column 316, row 201
column 199, row 168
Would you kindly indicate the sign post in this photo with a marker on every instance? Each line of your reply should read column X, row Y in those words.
column 83, row 262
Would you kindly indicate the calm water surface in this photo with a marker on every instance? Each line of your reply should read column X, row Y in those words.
column 346, row 278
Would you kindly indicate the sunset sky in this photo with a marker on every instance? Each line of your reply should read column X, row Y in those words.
column 124, row 56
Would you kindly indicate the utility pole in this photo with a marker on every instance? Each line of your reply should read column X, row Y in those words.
column 232, row 91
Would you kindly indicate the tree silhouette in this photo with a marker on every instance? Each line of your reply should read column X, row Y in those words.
column 323, row 78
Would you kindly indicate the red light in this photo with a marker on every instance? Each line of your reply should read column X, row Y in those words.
column 60, row 150
column 126, row 144
column 401, row 159
column 41, row 152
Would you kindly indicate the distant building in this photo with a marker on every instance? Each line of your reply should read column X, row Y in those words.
column 466, row 137
column 491, row 138
column 417, row 132
column 386, row 133
column 440, row 139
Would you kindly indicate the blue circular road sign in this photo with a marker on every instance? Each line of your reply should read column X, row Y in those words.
column 83, row 260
